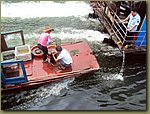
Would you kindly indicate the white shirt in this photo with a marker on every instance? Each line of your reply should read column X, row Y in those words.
column 65, row 56
column 133, row 21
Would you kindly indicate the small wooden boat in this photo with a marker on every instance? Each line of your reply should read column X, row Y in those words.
column 18, row 75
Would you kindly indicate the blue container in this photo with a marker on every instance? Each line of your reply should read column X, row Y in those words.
column 141, row 38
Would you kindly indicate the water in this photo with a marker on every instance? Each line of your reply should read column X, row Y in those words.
column 119, row 85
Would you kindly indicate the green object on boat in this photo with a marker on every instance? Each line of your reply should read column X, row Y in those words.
column 74, row 52
column 58, row 42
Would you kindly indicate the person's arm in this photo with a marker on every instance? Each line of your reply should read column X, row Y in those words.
column 50, row 40
column 131, row 28
column 60, row 56
column 126, row 19
column 55, row 58
column 53, row 54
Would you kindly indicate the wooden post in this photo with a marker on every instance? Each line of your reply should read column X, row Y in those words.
column 22, row 36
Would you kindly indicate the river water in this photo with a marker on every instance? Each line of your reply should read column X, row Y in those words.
column 119, row 85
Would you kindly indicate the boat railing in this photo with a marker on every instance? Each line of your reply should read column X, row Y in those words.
column 139, row 36
column 121, row 33
column 114, row 22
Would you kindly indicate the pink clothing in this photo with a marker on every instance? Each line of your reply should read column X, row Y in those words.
column 43, row 39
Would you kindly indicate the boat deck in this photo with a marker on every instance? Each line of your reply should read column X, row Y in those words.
column 39, row 73
column 82, row 60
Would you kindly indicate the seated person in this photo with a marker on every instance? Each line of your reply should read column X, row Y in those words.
column 63, row 57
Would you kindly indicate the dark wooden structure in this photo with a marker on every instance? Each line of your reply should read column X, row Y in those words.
column 110, row 14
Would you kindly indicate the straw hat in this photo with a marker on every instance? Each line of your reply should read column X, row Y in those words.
column 48, row 28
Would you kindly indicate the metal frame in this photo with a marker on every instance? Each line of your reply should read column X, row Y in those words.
column 14, row 80
column 8, row 33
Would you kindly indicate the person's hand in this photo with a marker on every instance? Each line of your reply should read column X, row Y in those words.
column 54, row 52
column 54, row 40
column 128, row 30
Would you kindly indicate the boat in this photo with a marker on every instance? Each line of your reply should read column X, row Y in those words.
column 25, row 71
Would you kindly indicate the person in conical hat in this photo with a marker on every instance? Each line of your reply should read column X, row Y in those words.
column 43, row 40
column 48, row 29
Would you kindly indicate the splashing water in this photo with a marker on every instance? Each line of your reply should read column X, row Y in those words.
column 64, row 21
column 34, row 97
column 120, row 75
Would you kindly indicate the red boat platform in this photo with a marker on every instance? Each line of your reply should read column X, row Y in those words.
column 39, row 73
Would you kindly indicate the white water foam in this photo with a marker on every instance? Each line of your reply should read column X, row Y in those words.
column 71, row 33
column 54, row 89
column 90, row 35
column 53, row 9
column 116, row 76
column 42, row 93
column 45, row 9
